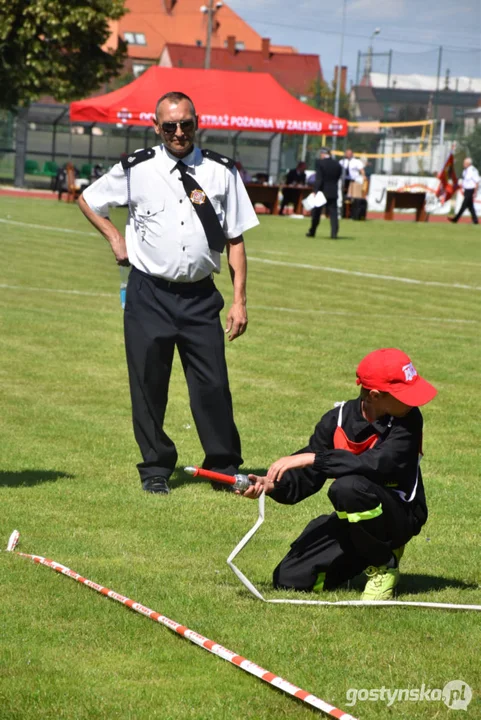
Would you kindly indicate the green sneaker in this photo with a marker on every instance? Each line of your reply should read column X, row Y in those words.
column 382, row 580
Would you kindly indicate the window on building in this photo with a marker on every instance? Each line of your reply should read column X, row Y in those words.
column 198, row 43
column 138, row 69
column 238, row 46
column 135, row 38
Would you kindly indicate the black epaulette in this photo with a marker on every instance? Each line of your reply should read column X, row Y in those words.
column 128, row 161
column 217, row 157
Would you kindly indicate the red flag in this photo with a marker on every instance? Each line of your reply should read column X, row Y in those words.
column 448, row 182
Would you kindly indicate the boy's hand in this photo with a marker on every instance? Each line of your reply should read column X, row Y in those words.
column 261, row 483
column 277, row 469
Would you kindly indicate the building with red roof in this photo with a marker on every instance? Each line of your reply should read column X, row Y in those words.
column 150, row 24
column 296, row 72
column 173, row 33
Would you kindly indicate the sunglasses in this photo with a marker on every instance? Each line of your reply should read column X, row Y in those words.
column 187, row 126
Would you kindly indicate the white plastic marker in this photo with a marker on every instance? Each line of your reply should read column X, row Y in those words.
column 191, row 635
column 13, row 541
column 375, row 603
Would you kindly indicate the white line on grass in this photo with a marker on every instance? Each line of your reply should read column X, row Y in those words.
column 48, row 227
column 346, row 313
column 57, row 290
column 392, row 258
column 271, row 308
column 357, row 273
column 302, row 266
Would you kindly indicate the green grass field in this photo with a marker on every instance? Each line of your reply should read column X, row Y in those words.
column 68, row 480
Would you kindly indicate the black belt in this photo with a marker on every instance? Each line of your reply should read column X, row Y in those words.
column 174, row 286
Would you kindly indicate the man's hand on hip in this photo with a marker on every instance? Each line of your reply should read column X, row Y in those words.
column 119, row 249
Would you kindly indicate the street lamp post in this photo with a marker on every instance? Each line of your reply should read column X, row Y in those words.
column 210, row 11
column 368, row 70
column 339, row 72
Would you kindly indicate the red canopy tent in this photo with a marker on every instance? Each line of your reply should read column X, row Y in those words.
column 224, row 100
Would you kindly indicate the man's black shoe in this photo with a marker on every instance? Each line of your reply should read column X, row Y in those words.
column 452, row 220
column 156, row 485
column 309, row 234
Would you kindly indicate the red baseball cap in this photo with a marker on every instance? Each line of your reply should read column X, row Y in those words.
column 390, row 370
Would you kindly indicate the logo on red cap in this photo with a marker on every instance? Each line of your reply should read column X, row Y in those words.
column 409, row 371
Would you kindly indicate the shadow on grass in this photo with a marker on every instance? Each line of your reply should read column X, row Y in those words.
column 417, row 584
column 28, row 478
column 179, row 477
column 408, row 585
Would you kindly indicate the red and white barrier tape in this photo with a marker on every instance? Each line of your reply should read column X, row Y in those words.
column 191, row 635
column 364, row 603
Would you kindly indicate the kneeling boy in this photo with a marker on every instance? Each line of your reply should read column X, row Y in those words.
column 372, row 446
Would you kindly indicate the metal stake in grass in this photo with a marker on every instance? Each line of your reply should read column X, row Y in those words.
column 191, row 635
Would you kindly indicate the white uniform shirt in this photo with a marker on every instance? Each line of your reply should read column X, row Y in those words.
column 164, row 235
column 353, row 168
column 470, row 178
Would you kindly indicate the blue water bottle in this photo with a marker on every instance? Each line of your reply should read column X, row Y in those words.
column 124, row 276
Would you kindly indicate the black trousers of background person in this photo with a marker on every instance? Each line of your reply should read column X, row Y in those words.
column 158, row 317
column 331, row 209
column 343, row 549
column 468, row 204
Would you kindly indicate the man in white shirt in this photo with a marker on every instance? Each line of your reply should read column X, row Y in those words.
column 352, row 178
column 353, row 167
column 469, row 181
column 185, row 205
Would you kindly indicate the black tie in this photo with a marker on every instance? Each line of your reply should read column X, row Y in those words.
column 204, row 209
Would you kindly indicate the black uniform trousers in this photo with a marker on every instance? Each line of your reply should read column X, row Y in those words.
column 468, row 204
column 160, row 315
column 337, row 548
column 331, row 210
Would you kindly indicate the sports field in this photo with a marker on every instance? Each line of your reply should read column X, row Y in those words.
column 68, row 480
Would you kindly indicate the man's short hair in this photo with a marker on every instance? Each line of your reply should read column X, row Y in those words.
column 175, row 97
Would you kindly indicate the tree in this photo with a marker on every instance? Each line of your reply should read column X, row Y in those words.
column 323, row 97
column 470, row 146
column 54, row 47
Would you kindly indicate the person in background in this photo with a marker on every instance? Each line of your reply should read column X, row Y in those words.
column 368, row 171
column 261, row 178
column 469, row 181
column 328, row 172
column 352, row 172
column 245, row 176
column 352, row 169
column 296, row 176
column 97, row 171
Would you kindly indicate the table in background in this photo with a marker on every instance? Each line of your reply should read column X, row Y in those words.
column 268, row 195
column 404, row 201
column 265, row 195
column 297, row 193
